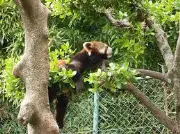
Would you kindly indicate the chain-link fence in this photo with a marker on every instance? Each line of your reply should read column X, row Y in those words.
column 122, row 113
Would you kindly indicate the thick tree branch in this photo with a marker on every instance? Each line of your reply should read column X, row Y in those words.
column 153, row 74
column 162, row 43
column 118, row 23
column 161, row 116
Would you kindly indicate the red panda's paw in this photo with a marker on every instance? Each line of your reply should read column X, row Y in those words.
column 61, row 63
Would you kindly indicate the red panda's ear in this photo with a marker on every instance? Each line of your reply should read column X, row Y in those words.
column 88, row 47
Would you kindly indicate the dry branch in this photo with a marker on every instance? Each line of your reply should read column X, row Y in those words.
column 118, row 23
column 161, row 116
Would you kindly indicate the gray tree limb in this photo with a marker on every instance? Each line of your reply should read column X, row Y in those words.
column 118, row 23
column 161, row 116
column 153, row 74
column 162, row 43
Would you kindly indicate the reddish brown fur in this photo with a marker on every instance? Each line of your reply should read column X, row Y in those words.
column 61, row 63
column 80, row 62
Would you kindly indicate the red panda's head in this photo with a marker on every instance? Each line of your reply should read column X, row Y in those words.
column 98, row 47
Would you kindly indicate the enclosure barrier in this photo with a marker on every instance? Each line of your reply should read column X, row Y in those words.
column 119, row 114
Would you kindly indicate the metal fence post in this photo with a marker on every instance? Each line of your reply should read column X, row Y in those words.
column 96, row 113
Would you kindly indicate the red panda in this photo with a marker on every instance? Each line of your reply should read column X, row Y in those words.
column 92, row 54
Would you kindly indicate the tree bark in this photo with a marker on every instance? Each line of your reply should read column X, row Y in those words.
column 33, row 69
column 162, row 43
column 176, row 79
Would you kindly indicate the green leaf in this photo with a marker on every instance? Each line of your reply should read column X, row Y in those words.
column 112, row 66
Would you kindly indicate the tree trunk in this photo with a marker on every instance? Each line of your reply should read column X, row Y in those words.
column 33, row 69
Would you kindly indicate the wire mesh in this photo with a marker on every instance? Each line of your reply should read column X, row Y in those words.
column 121, row 114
